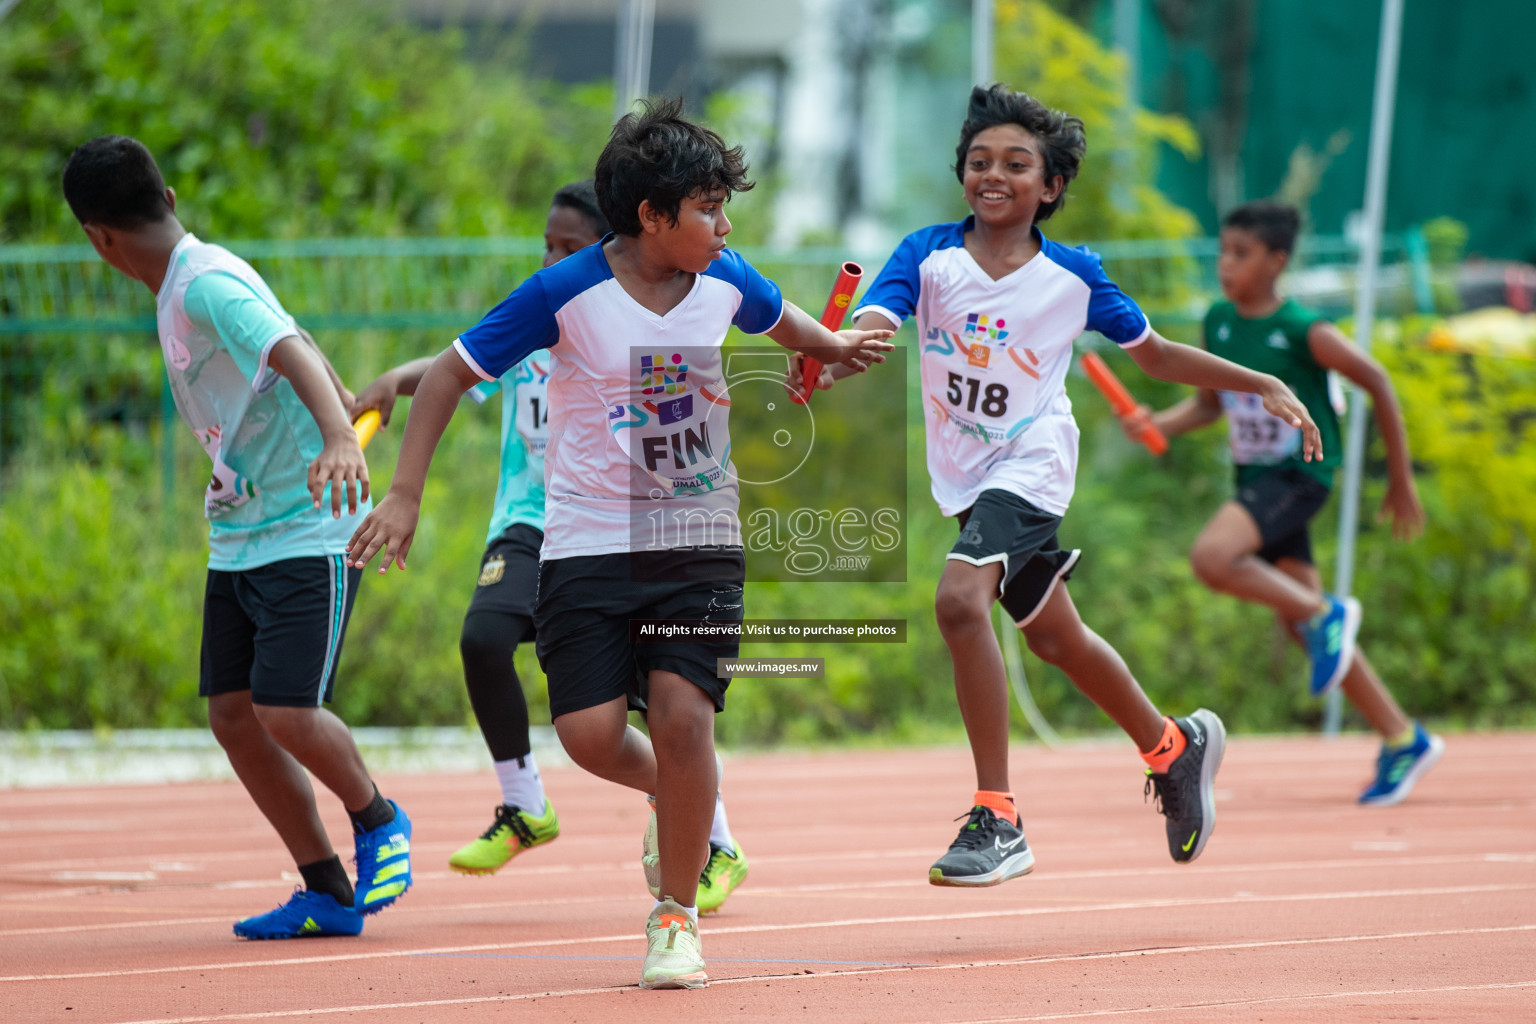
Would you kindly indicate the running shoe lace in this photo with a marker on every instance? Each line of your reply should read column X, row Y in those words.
column 978, row 831
column 506, row 816
column 1164, row 793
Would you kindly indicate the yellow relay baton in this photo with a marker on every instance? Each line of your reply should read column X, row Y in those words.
column 366, row 426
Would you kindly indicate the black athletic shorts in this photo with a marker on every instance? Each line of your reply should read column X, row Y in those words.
column 1282, row 503
column 586, row 604
column 1003, row 527
column 276, row 630
column 509, row 576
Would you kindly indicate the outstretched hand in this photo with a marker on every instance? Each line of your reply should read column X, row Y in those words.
column 863, row 349
column 380, row 395
column 389, row 529
column 341, row 465
column 1281, row 401
column 1134, row 424
column 1401, row 503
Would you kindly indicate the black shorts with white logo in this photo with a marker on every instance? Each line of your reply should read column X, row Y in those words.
column 1282, row 503
column 583, row 623
column 1003, row 527
column 277, row 630
column 509, row 575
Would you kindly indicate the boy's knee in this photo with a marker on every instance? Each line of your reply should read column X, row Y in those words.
column 589, row 743
column 958, row 609
column 483, row 639
column 232, row 720
column 1210, row 564
column 284, row 724
column 1050, row 646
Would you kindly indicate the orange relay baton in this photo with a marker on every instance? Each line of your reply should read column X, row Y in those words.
column 366, row 426
column 831, row 318
column 1120, row 400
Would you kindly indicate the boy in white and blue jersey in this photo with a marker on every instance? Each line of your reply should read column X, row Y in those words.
column 500, row 614
column 271, row 415
column 998, row 307
column 641, row 497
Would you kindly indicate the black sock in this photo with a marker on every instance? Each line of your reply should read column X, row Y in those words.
column 378, row 812
column 329, row 877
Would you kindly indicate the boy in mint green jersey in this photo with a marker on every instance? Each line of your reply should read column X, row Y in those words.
column 271, row 415
column 500, row 614
column 1257, row 547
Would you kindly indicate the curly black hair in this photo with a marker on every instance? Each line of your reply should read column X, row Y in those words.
column 1062, row 138
column 656, row 154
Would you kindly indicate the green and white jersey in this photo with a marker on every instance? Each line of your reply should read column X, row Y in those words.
column 218, row 322
column 1275, row 344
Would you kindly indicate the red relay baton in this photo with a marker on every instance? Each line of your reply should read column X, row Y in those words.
column 1120, row 400
column 831, row 318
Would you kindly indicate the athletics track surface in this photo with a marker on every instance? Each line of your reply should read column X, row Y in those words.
column 116, row 902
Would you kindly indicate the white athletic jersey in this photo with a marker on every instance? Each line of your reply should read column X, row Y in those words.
column 639, row 448
column 995, row 356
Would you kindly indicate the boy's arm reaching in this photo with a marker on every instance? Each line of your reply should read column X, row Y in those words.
column 1184, row 364
column 836, row 372
column 850, row 351
column 342, row 391
column 391, row 525
column 1333, row 351
column 381, row 393
column 1198, row 410
column 340, row 463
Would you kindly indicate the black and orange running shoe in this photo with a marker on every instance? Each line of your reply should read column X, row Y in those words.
column 1185, row 794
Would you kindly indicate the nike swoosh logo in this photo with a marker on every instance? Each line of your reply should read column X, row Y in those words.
column 1003, row 847
column 1191, row 842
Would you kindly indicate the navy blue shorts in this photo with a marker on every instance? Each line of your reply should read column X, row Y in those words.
column 1003, row 527
column 276, row 630
column 1282, row 503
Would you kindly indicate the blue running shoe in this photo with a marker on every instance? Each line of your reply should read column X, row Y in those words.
column 1330, row 639
column 307, row 915
column 383, row 864
column 1399, row 769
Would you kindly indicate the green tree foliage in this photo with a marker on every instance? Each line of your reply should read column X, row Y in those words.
column 1044, row 53
column 285, row 118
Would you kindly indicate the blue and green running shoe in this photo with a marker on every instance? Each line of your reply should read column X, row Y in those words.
column 307, row 915
column 1398, row 769
column 1330, row 639
column 383, row 863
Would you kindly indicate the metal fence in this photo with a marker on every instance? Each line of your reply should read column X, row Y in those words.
column 77, row 356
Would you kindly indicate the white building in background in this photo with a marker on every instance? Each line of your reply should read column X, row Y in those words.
column 847, row 104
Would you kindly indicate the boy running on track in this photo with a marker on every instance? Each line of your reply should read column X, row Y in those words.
column 270, row 413
column 637, row 437
column 1256, row 547
column 998, row 307
column 500, row 614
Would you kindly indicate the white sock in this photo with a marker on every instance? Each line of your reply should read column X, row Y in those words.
column 720, row 830
column 692, row 912
column 520, row 784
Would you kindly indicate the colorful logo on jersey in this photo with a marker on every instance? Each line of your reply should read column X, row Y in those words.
column 675, row 411
column 979, row 325
column 659, row 376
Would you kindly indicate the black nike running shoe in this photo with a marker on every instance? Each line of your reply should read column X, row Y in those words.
column 1184, row 794
column 988, row 851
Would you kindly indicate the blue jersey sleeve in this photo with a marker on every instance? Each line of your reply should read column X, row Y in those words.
column 894, row 293
column 520, row 325
column 762, row 304
column 235, row 317
column 1111, row 312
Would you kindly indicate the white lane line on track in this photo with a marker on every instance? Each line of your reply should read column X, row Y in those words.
column 1221, row 1004
column 751, row 929
column 1037, row 879
column 1021, row 962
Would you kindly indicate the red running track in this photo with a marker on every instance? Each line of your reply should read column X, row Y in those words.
column 116, row 902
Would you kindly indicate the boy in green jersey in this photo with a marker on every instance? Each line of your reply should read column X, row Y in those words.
column 1256, row 546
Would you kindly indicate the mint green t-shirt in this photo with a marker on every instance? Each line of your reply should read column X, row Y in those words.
column 1275, row 344
column 524, row 437
column 218, row 322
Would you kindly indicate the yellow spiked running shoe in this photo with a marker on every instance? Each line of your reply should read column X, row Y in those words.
column 513, row 831
column 674, row 957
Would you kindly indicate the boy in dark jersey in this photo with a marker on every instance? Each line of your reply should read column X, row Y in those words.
column 1256, row 546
